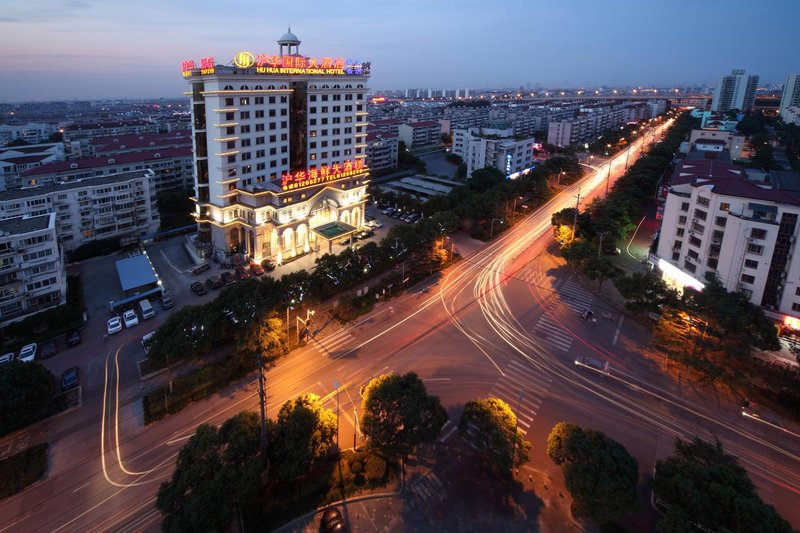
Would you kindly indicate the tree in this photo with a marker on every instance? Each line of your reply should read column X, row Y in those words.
column 26, row 390
column 599, row 472
column 304, row 434
column 599, row 269
column 215, row 470
column 578, row 252
column 399, row 414
column 17, row 142
column 490, row 424
column 644, row 292
column 701, row 484
column 266, row 338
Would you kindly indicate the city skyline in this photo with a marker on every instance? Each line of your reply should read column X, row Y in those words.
column 102, row 50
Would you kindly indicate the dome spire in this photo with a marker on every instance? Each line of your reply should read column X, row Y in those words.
column 289, row 40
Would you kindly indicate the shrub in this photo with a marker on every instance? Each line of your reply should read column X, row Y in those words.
column 356, row 468
column 22, row 469
column 375, row 469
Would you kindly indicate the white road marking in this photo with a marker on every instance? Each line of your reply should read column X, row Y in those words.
column 616, row 334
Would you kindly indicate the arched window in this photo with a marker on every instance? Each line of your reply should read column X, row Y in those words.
column 336, row 87
column 228, row 88
column 271, row 87
column 244, row 88
column 259, row 88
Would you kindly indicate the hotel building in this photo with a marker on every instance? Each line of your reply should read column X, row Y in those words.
column 279, row 150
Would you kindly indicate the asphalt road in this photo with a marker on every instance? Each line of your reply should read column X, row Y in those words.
column 503, row 322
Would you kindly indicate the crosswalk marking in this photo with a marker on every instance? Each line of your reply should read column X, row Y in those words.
column 328, row 344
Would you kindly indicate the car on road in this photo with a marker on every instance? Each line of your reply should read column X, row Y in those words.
column 331, row 521
column 198, row 288
column 214, row 282
column 71, row 378
column 167, row 302
column 344, row 242
column 754, row 413
column 242, row 273
column 7, row 358
column 130, row 318
column 146, row 341
column 366, row 234
column 369, row 218
column 48, row 349
column 374, row 224
column 269, row 264
column 593, row 364
column 28, row 353
column 227, row 278
column 256, row 269
column 73, row 338
column 114, row 325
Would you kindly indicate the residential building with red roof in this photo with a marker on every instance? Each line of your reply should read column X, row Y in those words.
column 381, row 150
column 420, row 134
column 719, row 224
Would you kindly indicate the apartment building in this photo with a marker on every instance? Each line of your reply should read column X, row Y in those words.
column 32, row 132
column 17, row 160
column 382, row 149
column 494, row 146
column 32, row 276
column 719, row 224
column 172, row 168
column 420, row 134
column 704, row 139
column 386, row 125
column 126, row 144
column 279, row 149
column 791, row 115
column 735, row 91
column 119, row 206
column 76, row 136
column 790, row 98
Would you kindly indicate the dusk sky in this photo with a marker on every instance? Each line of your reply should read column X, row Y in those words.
column 65, row 49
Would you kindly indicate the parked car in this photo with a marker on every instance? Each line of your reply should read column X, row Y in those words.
column 167, row 302
column 7, row 358
column 28, row 353
column 331, row 521
column 71, row 378
column 242, row 273
column 146, row 341
column 198, row 288
column 227, row 278
column 396, row 214
column 345, row 241
column 73, row 338
column 413, row 218
column 256, row 269
column 593, row 364
column 366, row 234
column 114, row 325
column 130, row 318
column 214, row 282
column 369, row 218
column 269, row 264
column 48, row 349
column 388, row 211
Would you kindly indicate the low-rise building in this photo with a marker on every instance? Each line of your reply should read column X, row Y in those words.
column 31, row 132
column 386, row 125
column 126, row 144
column 420, row 134
column 16, row 160
column 381, row 150
column 791, row 115
column 705, row 140
column 32, row 276
column 172, row 168
column 119, row 206
column 493, row 146
column 76, row 136
column 719, row 224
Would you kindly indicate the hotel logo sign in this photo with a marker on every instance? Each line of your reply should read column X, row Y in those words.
column 244, row 59
column 275, row 64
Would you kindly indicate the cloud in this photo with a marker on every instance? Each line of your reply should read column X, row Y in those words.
column 10, row 19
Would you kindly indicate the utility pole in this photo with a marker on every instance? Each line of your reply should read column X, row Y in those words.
column 608, row 176
column 600, row 245
column 575, row 219
column 627, row 153
column 355, row 425
column 262, row 399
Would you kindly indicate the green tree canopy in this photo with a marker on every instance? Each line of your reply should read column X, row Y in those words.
column 214, row 470
column 26, row 389
column 701, row 484
column 490, row 424
column 398, row 414
column 599, row 472
column 265, row 337
column 304, row 434
column 645, row 291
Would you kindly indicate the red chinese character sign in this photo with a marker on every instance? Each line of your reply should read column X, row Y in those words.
column 294, row 64
column 302, row 178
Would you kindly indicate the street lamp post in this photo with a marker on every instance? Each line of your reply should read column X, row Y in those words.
column 491, row 230
column 309, row 314
column 575, row 219
column 608, row 176
column 288, row 308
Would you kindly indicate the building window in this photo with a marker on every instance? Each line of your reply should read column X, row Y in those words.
column 694, row 241
column 747, row 278
column 797, row 291
column 679, row 232
column 751, row 263
column 698, row 213
column 685, row 206
column 259, row 100
column 721, row 221
column 703, row 201
column 724, row 206
column 755, row 249
column 682, row 219
column 795, row 307
column 229, row 101
column 758, row 233
column 676, row 256
column 691, row 267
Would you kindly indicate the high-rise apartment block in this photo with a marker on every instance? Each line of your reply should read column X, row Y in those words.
column 735, row 91
column 791, row 94
column 279, row 147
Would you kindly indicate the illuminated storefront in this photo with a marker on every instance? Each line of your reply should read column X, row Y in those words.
column 279, row 149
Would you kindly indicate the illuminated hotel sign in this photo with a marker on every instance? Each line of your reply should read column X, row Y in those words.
column 289, row 64
column 307, row 178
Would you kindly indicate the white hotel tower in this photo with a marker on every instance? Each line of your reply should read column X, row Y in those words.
column 279, row 149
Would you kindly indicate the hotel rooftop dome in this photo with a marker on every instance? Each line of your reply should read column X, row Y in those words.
column 288, row 40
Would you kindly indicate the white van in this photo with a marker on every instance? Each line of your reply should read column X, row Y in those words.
column 146, row 309
column 146, row 341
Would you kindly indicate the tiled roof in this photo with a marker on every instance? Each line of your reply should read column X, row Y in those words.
column 728, row 180
column 710, row 141
column 15, row 194
column 25, row 224
column 122, row 159
column 386, row 121
column 105, row 125
column 379, row 135
column 142, row 140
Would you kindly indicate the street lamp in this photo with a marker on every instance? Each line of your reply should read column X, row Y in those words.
column 288, row 308
column 491, row 230
column 309, row 314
